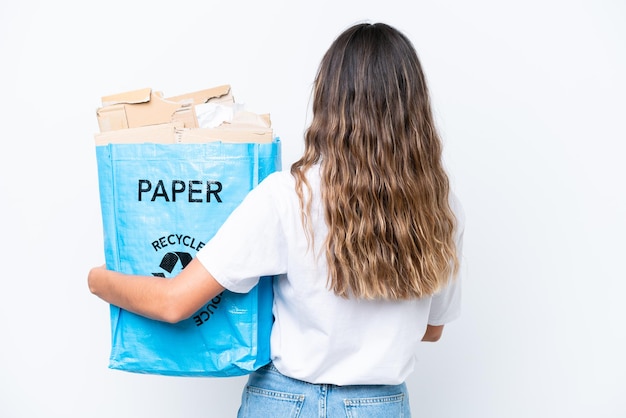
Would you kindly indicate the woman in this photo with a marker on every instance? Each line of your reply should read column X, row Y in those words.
column 363, row 230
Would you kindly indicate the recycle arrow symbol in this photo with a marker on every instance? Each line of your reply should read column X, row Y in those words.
column 170, row 260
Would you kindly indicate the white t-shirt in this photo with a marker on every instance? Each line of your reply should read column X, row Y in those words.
column 317, row 336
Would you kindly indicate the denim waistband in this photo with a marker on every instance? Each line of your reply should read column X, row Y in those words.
column 270, row 393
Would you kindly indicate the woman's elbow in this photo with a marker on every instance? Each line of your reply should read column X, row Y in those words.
column 172, row 316
column 173, row 312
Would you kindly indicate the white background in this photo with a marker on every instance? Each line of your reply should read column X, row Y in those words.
column 530, row 99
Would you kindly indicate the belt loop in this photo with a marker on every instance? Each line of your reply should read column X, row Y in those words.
column 322, row 401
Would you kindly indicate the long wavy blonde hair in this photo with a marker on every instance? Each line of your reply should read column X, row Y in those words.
column 384, row 189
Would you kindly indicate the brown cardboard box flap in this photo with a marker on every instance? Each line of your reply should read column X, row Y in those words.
column 172, row 133
column 220, row 94
column 245, row 118
column 159, row 134
column 225, row 134
column 130, row 97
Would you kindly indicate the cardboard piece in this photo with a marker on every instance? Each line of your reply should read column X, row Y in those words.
column 159, row 134
column 171, row 133
column 144, row 107
column 226, row 134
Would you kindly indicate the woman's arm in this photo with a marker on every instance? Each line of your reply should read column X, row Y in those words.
column 169, row 300
column 433, row 333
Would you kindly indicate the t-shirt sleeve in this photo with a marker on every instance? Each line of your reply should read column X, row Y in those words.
column 446, row 304
column 250, row 244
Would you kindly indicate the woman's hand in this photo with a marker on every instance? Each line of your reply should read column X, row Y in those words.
column 94, row 275
column 168, row 300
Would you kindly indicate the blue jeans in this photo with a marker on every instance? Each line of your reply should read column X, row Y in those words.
column 270, row 394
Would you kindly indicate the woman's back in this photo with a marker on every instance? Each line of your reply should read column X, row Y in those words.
column 318, row 336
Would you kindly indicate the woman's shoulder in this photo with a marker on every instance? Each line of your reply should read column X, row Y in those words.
column 459, row 212
column 278, row 179
column 455, row 204
column 284, row 178
column 277, row 186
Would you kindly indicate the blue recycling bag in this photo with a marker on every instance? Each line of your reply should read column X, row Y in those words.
column 160, row 204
